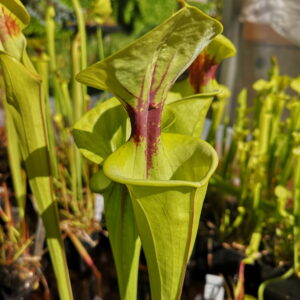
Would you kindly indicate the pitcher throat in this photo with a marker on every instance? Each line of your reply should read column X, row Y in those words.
column 146, row 126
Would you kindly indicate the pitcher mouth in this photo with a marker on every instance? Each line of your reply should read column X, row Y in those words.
column 115, row 173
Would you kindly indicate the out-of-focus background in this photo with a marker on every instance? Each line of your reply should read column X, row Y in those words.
column 259, row 30
column 247, row 245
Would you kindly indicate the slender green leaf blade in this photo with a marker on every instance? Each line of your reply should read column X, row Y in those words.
column 15, row 164
column 123, row 237
column 26, row 107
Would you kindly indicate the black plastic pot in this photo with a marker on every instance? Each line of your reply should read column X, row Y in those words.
column 287, row 289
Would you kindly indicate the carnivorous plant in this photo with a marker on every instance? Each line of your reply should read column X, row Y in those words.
column 154, row 182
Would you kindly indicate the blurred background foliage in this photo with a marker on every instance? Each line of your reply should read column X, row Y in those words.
column 122, row 21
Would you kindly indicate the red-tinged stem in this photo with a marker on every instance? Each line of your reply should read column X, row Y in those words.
column 47, row 294
column 7, row 204
column 88, row 260
column 241, row 280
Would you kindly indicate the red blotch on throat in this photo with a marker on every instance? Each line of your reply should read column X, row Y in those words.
column 8, row 24
column 201, row 71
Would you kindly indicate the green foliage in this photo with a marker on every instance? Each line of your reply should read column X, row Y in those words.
column 36, row 27
column 165, row 174
column 129, row 67
column 97, row 136
column 213, row 8
column 137, row 17
column 258, row 174
column 167, row 209
column 150, row 12
column 26, row 109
